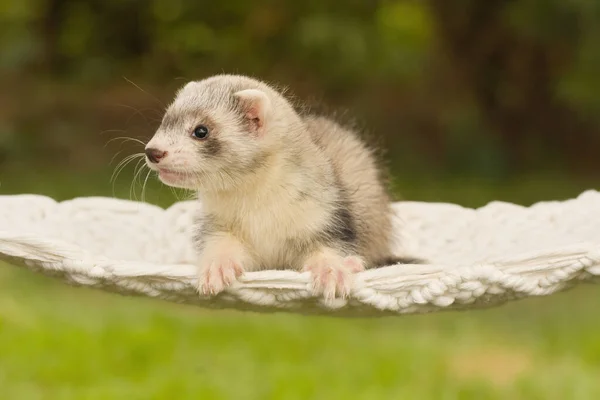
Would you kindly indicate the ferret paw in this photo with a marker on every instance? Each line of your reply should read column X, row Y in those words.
column 218, row 274
column 332, row 273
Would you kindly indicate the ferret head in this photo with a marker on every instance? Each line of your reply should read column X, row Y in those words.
column 215, row 132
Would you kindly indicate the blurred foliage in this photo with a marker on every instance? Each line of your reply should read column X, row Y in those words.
column 491, row 87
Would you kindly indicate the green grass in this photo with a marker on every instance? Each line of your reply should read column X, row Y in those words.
column 60, row 342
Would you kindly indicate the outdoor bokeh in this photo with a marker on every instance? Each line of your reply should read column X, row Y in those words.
column 472, row 101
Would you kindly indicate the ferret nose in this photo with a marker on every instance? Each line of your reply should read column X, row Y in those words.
column 154, row 155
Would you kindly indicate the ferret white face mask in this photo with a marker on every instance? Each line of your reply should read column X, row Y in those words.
column 214, row 133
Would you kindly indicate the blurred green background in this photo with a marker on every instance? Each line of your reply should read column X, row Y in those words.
column 472, row 101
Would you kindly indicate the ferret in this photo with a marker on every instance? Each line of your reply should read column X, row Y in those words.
column 279, row 189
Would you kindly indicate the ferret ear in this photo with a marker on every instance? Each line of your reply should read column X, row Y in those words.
column 256, row 107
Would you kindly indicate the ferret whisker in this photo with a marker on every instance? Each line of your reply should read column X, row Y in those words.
column 112, row 159
column 119, row 131
column 121, row 166
column 152, row 118
column 174, row 192
column 139, row 167
column 144, row 185
column 118, row 171
column 183, row 194
column 138, row 112
column 126, row 139
column 145, row 92
column 113, row 131
column 191, row 195
column 123, row 163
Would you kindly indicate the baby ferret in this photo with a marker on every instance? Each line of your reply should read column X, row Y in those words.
column 278, row 189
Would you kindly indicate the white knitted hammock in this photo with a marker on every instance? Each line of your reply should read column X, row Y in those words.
column 475, row 257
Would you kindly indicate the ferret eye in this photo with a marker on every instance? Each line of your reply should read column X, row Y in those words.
column 200, row 132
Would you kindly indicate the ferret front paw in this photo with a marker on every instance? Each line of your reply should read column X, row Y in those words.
column 332, row 273
column 221, row 262
column 217, row 274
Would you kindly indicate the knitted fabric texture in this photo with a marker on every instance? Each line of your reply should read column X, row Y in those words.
column 475, row 257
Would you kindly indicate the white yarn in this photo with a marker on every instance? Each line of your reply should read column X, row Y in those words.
column 477, row 257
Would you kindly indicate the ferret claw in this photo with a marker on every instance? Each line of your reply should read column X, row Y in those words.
column 218, row 275
column 332, row 274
